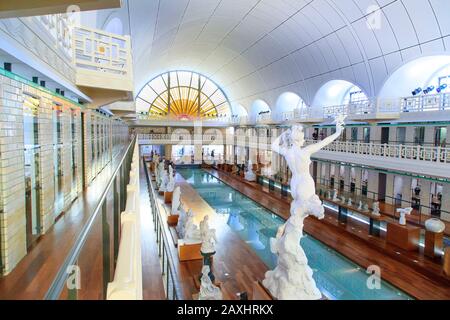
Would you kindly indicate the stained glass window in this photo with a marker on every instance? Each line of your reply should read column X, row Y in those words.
column 183, row 95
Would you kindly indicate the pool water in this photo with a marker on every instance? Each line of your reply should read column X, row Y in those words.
column 336, row 276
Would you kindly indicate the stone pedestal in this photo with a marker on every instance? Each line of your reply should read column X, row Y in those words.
column 404, row 237
column 434, row 242
column 168, row 195
column 189, row 251
column 172, row 220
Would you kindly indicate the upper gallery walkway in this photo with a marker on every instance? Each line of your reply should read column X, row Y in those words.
column 33, row 276
column 418, row 276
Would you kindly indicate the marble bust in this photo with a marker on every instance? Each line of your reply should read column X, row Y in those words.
column 376, row 208
column 208, row 291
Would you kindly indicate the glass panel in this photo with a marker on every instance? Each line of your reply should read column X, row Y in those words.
column 32, row 174
column 57, row 159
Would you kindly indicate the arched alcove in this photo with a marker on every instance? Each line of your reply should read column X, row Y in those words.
column 287, row 102
column 338, row 92
column 418, row 73
column 239, row 110
column 258, row 107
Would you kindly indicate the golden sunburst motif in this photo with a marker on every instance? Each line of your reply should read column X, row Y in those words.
column 183, row 95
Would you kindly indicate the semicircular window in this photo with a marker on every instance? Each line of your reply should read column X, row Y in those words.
column 184, row 95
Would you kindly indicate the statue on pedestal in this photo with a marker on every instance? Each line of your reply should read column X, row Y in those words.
column 204, row 226
column 350, row 202
column 249, row 174
column 191, row 232
column 342, row 199
column 292, row 279
column 208, row 291
column 176, row 200
column 366, row 207
column 360, row 206
column 164, row 181
column 171, row 181
column 159, row 174
column 335, row 198
column 403, row 212
column 182, row 219
column 376, row 208
column 208, row 248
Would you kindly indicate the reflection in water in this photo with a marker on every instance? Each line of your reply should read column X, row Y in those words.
column 336, row 276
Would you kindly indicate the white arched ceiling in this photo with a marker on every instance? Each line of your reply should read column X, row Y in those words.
column 262, row 48
column 335, row 93
column 256, row 108
column 419, row 73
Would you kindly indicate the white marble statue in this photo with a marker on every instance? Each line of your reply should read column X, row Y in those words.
column 249, row 175
column 342, row 199
column 335, row 197
column 366, row 207
column 181, row 225
column 204, row 225
column 209, row 241
column 164, row 181
column 360, row 206
column 159, row 175
column 191, row 232
column 376, row 208
column 350, row 202
column 208, row 291
column 170, row 186
column 292, row 278
column 403, row 212
column 176, row 200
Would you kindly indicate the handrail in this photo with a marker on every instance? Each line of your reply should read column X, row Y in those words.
column 161, row 234
column 58, row 283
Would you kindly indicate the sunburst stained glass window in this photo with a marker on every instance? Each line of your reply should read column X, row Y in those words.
column 184, row 95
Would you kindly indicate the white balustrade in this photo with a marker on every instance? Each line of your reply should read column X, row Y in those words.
column 127, row 284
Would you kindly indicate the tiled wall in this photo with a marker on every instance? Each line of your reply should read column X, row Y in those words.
column 13, row 240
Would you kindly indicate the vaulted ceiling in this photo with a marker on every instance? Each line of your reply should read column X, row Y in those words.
column 258, row 49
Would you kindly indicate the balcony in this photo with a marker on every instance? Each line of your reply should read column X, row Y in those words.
column 426, row 160
column 103, row 65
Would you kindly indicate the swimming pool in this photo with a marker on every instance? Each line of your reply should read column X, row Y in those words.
column 336, row 276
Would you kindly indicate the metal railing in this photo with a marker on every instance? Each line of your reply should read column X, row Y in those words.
column 87, row 269
column 169, row 273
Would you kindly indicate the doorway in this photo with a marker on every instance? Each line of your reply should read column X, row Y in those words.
column 385, row 135
column 382, row 179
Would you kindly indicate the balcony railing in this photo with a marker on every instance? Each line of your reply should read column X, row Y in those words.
column 421, row 153
column 102, row 59
column 436, row 102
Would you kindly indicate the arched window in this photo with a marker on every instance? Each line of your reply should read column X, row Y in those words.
column 184, row 95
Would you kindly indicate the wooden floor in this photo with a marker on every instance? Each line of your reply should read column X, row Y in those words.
column 414, row 274
column 235, row 265
column 34, row 274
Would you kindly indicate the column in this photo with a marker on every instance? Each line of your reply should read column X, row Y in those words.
column 429, row 135
column 12, row 174
column 406, row 191
column 372, row 184
column 425, row 199
column 390, row 196
column 46, row 161
column 358, row 175
column 445, row 202
column 347, row 178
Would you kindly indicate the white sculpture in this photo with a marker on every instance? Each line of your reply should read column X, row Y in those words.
column 191, row 232
column 350, row 202
column 209, row 241
column 176, row 200
column 292, row 278
column 208, row 291
column 360, row 206
column 249, row 174
column 171, row 181
column 160, row 172
column 342, row 199
column 204, row 226
column 403, row 212
column 376, row 208
column 366, row 207
column 164, row 181
column 335, row 198
column 181, row 225
column 435, row 225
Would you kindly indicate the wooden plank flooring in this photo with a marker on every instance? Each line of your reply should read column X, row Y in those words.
column 406, row 276
column 236, row 266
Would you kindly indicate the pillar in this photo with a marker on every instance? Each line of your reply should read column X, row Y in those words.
column 406, row 191
column 425, row 199
column 372, row 184
column 445, row 206
column 12, row 181
column 390, row 196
